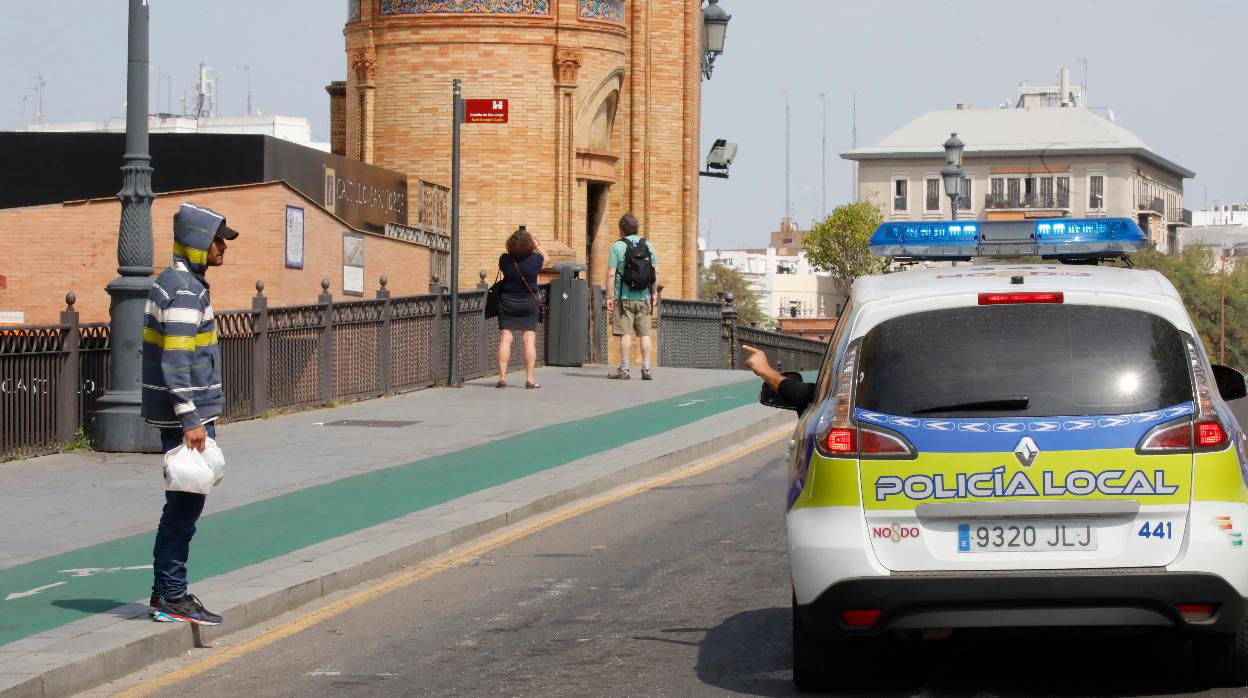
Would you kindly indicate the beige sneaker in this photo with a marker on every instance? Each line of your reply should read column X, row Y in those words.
column 619, row 374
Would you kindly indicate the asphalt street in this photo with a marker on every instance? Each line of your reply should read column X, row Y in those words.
column 678, row 591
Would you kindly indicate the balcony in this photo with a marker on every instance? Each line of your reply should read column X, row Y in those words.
column 1155, row 206
column 1179, row 217
column 1034, row 202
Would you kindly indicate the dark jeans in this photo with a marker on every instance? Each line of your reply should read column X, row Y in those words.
column 177, row 527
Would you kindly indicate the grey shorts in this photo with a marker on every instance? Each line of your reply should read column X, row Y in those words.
column 631, row 317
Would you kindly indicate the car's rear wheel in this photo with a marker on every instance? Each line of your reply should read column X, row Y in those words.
column 818, row 664
column 1222, row 660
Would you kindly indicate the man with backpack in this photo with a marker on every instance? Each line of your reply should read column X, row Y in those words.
column 631, row 275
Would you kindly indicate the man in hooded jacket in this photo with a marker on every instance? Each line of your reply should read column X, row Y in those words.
column 182, row 393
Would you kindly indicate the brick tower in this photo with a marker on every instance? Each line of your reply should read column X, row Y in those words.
column 604, row 98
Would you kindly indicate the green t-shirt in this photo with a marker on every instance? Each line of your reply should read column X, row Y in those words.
column 616, row 262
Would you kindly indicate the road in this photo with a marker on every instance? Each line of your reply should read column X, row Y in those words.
column 681, row 590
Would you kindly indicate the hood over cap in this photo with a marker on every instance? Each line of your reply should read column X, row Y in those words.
column 194, row 228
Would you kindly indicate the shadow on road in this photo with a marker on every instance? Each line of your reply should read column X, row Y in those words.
column 750, row 653
column 121, row 609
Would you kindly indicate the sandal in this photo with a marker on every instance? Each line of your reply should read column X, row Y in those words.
column 501, row 384
column 530, row 385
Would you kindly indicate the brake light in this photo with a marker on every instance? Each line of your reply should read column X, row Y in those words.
column 841, row 441
column 1210, row 434
column 1020, row 298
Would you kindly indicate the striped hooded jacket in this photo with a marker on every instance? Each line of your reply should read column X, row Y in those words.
column 181, row 358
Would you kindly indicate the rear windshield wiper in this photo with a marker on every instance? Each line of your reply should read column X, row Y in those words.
column 1020, row 402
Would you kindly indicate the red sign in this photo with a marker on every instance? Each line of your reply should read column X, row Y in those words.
column 485, row 111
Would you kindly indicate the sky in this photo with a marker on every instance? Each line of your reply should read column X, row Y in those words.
column 1172, row 72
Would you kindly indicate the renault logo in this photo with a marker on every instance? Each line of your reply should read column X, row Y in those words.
column 1026, row 451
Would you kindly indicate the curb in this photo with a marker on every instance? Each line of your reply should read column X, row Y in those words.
column 112, row 645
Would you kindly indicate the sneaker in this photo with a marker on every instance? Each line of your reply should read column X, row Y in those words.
column 152, row 604
column 646, row 375
column 187, row 609
column 619, row 374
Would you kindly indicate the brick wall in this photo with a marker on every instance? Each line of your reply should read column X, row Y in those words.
column 510, row 172
column 50, row 250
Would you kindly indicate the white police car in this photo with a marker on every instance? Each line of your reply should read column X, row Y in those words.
column 1017, row 446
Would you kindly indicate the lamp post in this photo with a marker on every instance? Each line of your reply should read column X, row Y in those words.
column 714, row 27
column 119, row 425
column 952, row 173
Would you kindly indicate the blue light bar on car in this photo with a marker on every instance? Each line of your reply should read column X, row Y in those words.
column 1050, row 238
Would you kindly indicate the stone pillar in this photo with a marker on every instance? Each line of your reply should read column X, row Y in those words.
column 364, row 63
column 337, row 117
column 568, row 60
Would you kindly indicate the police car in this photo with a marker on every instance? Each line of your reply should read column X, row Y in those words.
column 1017, row 445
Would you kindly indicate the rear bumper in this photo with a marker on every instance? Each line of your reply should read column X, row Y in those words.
column 1078, row 599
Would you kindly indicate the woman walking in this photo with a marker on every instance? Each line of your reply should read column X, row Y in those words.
column 517, row 307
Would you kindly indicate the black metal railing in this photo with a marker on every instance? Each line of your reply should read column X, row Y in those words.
column 1041, row 201
column 691, row 331
column 295, row 357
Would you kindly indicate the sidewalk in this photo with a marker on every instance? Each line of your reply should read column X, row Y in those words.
column 307, row 508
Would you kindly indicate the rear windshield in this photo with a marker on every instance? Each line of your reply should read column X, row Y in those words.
column 1028, row 360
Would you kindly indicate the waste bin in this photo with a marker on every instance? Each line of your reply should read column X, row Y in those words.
column 567, row 317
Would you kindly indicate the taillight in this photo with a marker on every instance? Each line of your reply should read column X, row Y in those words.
column 1210, row 434
column 1175, row 437
column 1020, row 298
column 841, row 441
column 878, row 443
column 836, row 435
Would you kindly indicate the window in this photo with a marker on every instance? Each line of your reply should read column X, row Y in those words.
column 901, row 202
column 933, row 195
column 1046, row 193
column 964, row 195
column 1063, row 192
column 1014, row 195
column 1096, row 192
column 1066, row 359
column 998, row 192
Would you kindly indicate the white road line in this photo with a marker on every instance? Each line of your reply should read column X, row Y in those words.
column 32, row 592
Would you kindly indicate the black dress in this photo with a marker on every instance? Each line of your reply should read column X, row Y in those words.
column 517, row 306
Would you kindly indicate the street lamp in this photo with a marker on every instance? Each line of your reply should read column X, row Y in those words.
column 119, row 425
column 714, row 27
column 952, row 173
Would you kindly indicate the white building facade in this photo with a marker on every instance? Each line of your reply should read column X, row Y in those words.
column 1047, row 156
column 786, row 285
column 295, row 129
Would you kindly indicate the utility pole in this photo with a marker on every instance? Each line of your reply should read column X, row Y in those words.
column 853, row 180
column 119, row 425
column 1222, row 322
column 788, row 200
column 823, row 202
column 38, row 89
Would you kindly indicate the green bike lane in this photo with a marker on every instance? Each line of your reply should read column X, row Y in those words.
column 99, row 578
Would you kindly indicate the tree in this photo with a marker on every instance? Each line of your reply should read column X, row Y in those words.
column 721, row 279
column 838, row 244
column 1196, row 276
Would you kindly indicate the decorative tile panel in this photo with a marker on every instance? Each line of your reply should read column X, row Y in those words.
column 609, row 10
column 467, row 7
column 353, row 10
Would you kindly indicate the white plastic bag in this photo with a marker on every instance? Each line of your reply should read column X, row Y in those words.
column 216, row 460
column 187, row 471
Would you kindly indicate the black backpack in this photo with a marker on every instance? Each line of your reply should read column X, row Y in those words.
column 638, row 265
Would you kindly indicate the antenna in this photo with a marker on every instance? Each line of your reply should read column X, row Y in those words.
column 853, row 195
column 823, row 203
column 205, row 93
column 246, row 68
column 1083, row 89
column 38, row 89
column 788, row 201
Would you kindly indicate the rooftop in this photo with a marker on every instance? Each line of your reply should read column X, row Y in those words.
column 988, row 132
